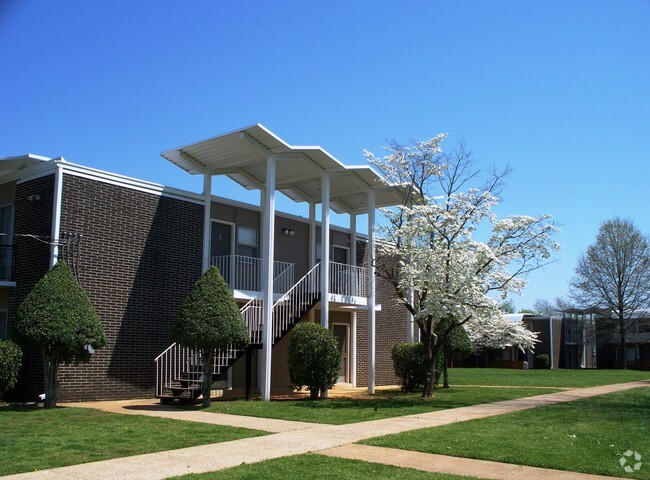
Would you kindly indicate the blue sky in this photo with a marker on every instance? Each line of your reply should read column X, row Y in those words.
column 559, row 90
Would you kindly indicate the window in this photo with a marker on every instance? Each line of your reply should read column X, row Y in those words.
column 247, row 242
column 340, row 254
column 3, row 325
column 6, row 240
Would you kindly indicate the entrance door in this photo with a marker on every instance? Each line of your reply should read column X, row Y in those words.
column 221, row 248
column 340, row 331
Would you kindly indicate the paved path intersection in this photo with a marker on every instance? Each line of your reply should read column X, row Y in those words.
column 294, row 438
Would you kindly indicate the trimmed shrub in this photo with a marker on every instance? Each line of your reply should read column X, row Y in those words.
column 10, row 361
column 542, row 361
column 409, row 361
column 314, row 358
column 58, row 318
column 209, row 319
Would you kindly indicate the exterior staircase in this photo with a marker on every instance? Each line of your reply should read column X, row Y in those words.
column 179, row 371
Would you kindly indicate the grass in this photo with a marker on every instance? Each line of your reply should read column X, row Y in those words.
column 543, row 378
column 37, row 438
column 384, row 404
column 320, row 467
column 588, row 435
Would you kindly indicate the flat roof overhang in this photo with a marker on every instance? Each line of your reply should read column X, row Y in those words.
column 242, row 156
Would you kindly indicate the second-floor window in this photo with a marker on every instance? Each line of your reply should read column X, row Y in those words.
column 247, row 242
column 6, row 240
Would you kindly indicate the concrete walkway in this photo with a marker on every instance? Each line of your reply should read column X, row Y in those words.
column 295, row 438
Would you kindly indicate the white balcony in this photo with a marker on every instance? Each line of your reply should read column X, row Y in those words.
column 244, row 275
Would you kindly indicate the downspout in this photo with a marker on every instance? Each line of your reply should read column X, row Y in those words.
column 56, row 212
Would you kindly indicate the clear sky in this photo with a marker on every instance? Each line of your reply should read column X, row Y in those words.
column 559, row 90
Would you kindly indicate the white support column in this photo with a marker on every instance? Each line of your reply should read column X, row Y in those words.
column 267, row 279
column 353, row 349
column 312, row 235
column 56, row 214
column 353, row 239
column 207, row 219
column 353, row 316
column 325, row 252
column 371, row 291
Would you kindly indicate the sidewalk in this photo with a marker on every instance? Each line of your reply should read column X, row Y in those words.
column 295, row 438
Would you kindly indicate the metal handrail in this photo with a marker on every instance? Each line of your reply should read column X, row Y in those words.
column 348, row 280
column 245, row 273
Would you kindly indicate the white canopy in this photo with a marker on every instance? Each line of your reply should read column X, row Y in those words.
column 242, row 155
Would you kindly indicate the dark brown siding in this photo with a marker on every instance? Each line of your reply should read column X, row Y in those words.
column 140, row 256
column 31, row 262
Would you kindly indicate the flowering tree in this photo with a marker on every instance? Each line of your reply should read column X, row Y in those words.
column 436, row 266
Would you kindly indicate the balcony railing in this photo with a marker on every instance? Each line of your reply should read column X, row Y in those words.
column 245, row 273
column 348, row 280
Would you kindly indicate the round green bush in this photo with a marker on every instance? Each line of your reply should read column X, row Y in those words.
column 314, row 358
column 542, row 361
column 10, row 361
column 409, row 361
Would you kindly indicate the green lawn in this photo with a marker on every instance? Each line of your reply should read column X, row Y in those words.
column 588, row 435
column 318, row 467
column 542, row 378
column 38, row 438
column 383, row 404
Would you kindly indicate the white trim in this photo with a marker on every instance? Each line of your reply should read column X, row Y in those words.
column 56, row 215
column 47, row 168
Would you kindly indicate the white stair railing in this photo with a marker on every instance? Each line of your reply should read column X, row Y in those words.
column 181, row 366
column 295, row 302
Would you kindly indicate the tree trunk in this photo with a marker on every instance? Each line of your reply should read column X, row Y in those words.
column 621, row 327
column 313, row 393
column 445, row 374
column 431, row 350
column 206, row 360
column 51, row 380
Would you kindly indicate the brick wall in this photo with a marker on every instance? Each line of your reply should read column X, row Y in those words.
column 390, row 328
column 31, row 262
column 140, row 255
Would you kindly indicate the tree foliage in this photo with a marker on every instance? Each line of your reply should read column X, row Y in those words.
column 314, row 358
column 10, row 362
column 208, row 320
column 614, row 275
column 58, row 318
column 545, row 307
column 456, row 343
column 438, row 268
